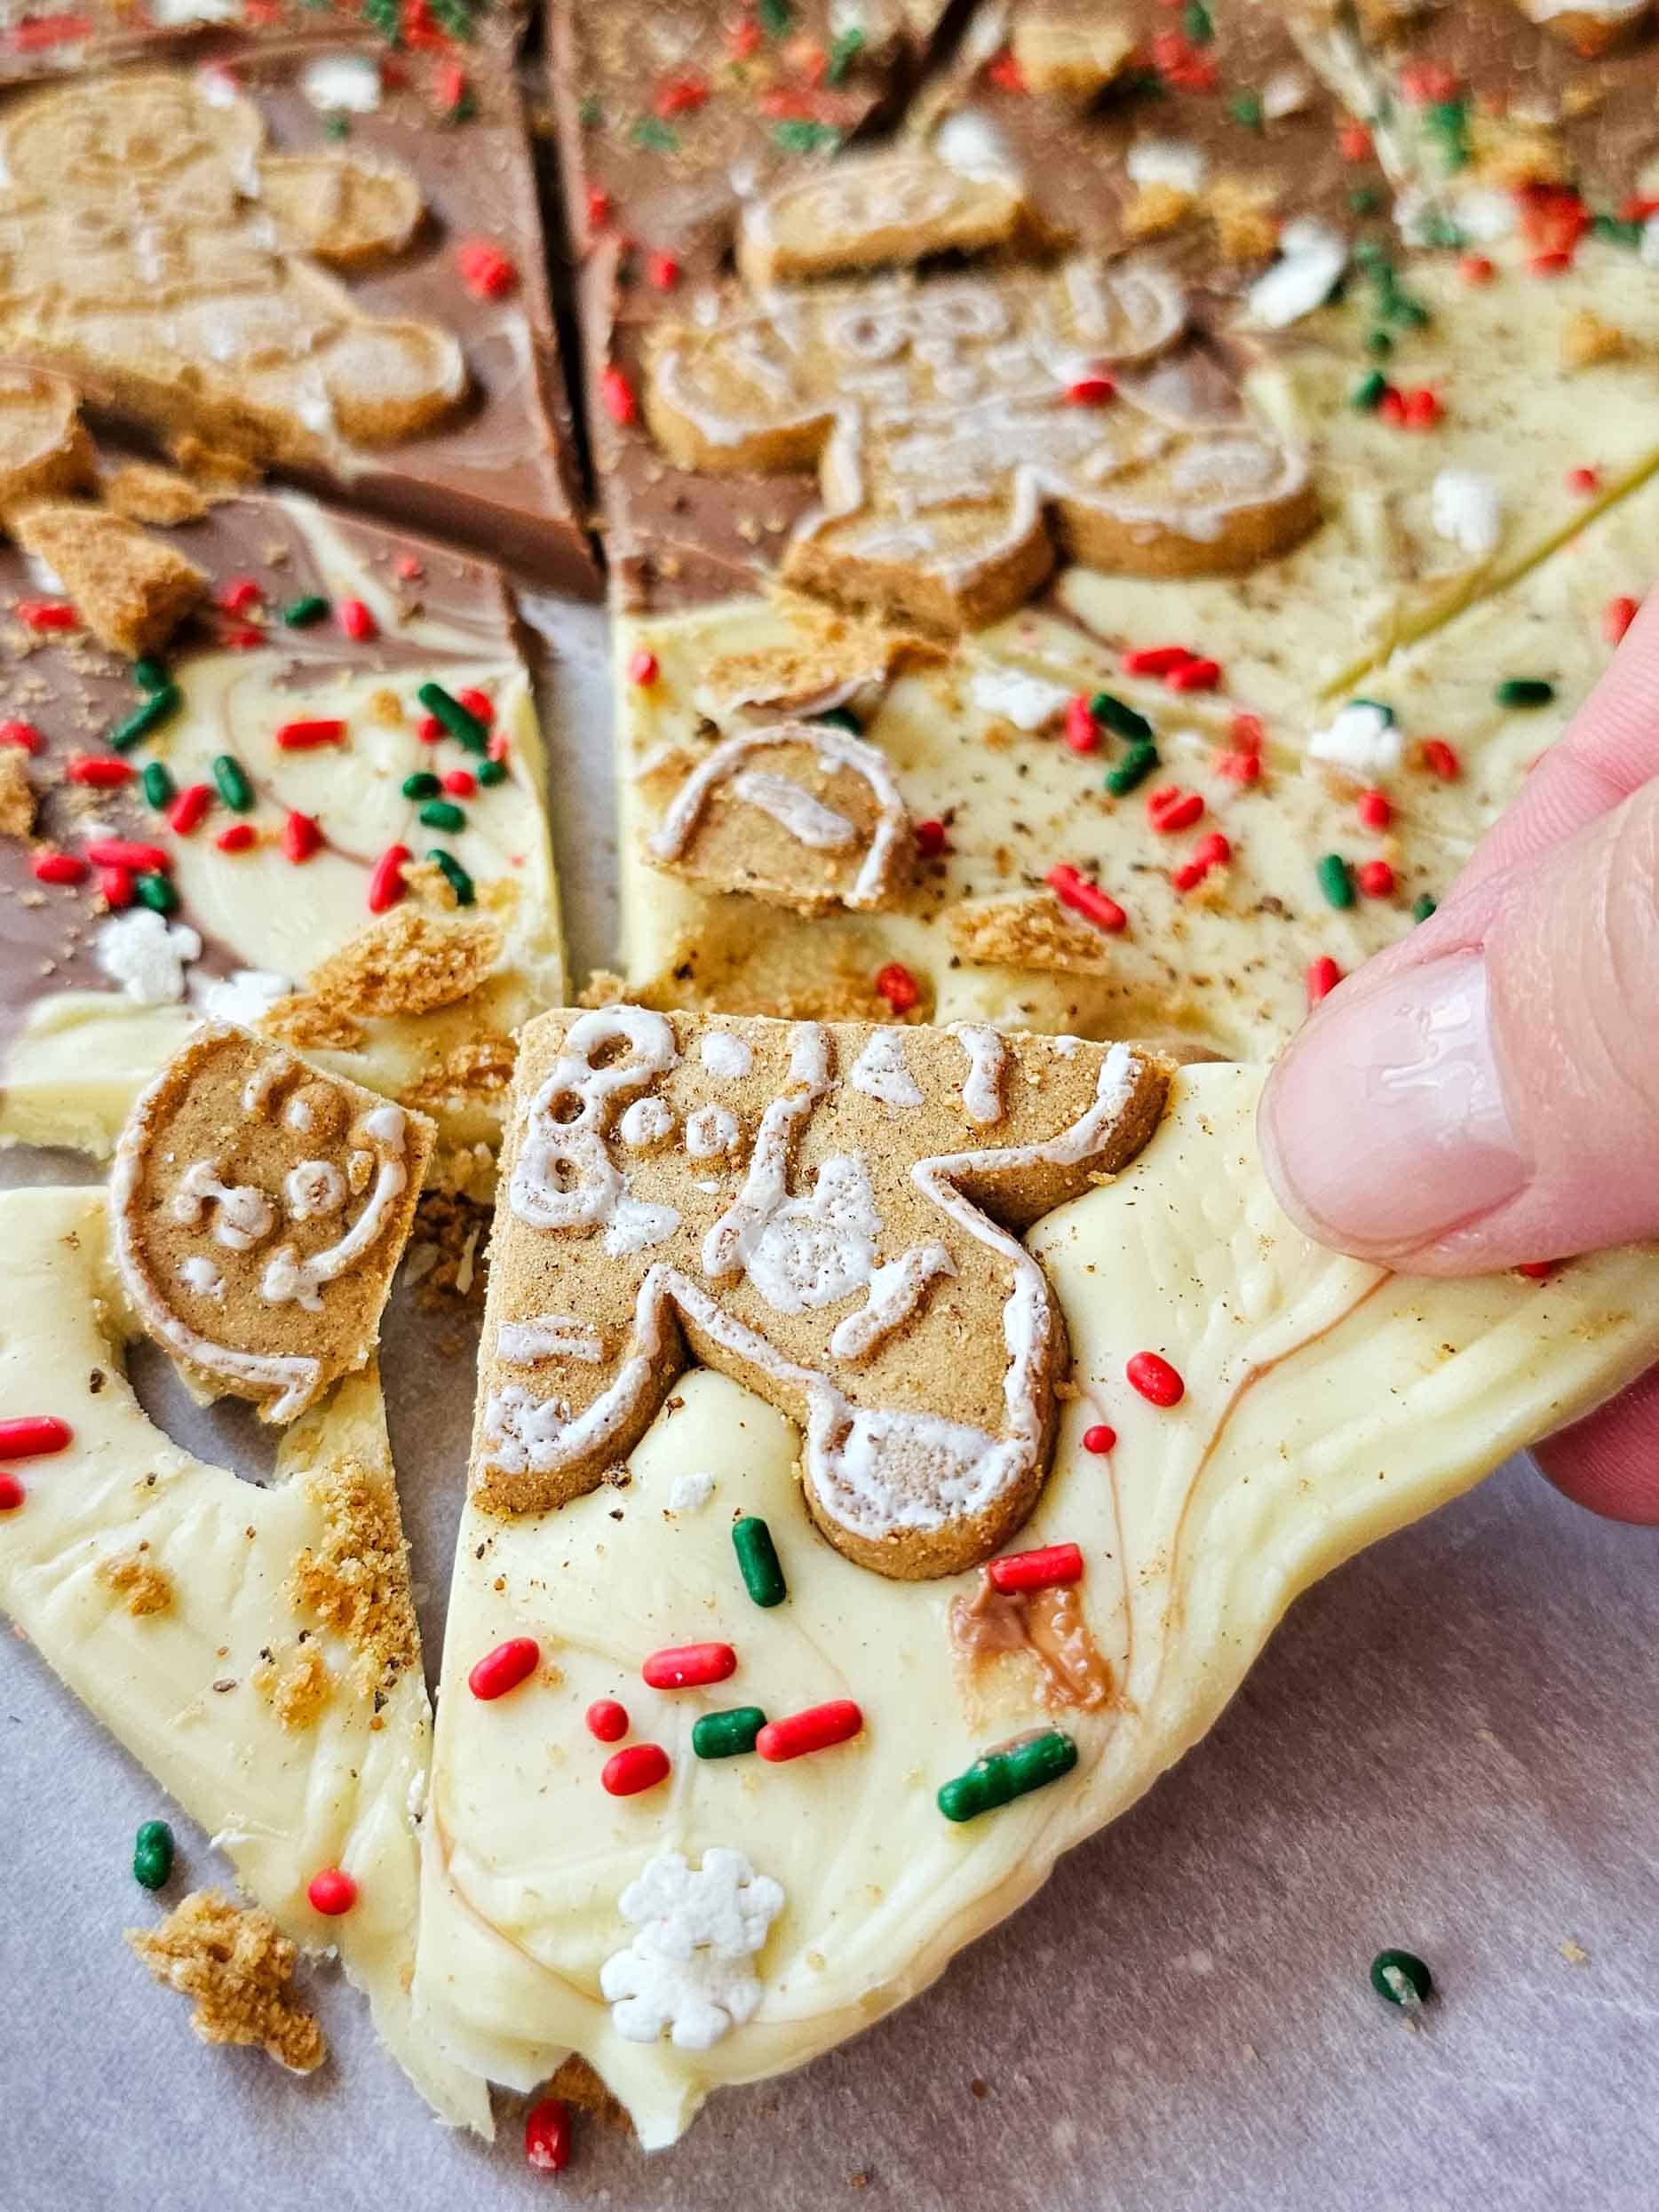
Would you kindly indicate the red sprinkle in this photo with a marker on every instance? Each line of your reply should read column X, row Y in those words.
column 430, row 730
column 607, row 1720
column 1041, row 1569
column 23, row 733
column 57, row 867
column 618, row 395
column 144, row 860
column 643, row 668
column 1535, row 1270
column 332, row 1892
column 599, row 206
column 32, row 1436
column 1616, row 617
column 409, row 566
column 385, row 884
column 304, row 737
column 101, row 770
column 504, row 1669
column 301, row 836
column 1238, row 768
column 450, row 88
column 662, row 272
column 47, row 614
column 1154, row 660
column 116, row 886
column 189, row 810
column 243, row 638
column 1248, row 732
column 1085, row 898
column 1423, row 408
column 689, row 1666
column 478, row 704
column 1355, row 140
column 1170, row 809
column 1211, row 852
column 929, row 839
column 1094, row 390
column 357, row 622
column 680, row 95
column 897, row 987
column 1100, row 1438
column 240, row 837
column 460, row 783
column 496, row 749
column 1195, row 676
column 1375, row 879
column 1440, row 760
column 1375, row 809
column 642, row 1767
column 1585, row 482
column 814, row 1730
column 241, row 594
column 1323, row 975
column 547, row 2136
column 487, row 273
column 1390, row 408
column 10, row 1494
column 1082, row 732
column 1476, row 268
column 42, row 31
column 1150, row 1374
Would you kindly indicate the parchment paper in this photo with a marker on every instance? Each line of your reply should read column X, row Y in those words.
column 1451, row 1747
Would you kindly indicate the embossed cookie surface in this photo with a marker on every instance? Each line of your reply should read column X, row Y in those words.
column 260, row 1209
column 830, row 1214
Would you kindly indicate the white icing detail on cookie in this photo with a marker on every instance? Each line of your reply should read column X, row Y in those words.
column 725, row 1053
column 686, row 1969
column 1312, row 256
column 813, row 1250
column 646, row 1123
column 982, row 1085
column 314, row 1187
column 1466, row 511
column 970, row 143
column 242, row 1216
column 765, row 1187
column 1286, row 92
column 1030, row 702
column 880, row 1072
column 564, row 1178
column 710, row 1132
column 348, row 83
column 548, row 1336
column 1175, row 162
column 688, row 1493
column 808, row 820
column 198, row 1273
column 633, row 1224
column 146, row 955
column 297, row 1116
column 178, row 14
column 1598, row 11
column 289, row 1280
column 896, row 1289
column 1362, row 738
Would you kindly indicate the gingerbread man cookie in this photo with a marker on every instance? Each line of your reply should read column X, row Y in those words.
column 967, row 428
column 151, row 244
column 260, row 1208
column 830, row 1213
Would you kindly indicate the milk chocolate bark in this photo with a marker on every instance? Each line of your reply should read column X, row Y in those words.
column 307, row 256
column 669, row 118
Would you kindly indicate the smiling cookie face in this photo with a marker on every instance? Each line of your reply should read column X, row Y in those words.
column 260, row 1209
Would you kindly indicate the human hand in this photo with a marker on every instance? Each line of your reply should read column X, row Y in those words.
column 1487, row 1092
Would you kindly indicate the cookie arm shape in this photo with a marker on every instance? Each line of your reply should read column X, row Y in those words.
column 347, row 214
column 882, row 211
column 281, row 1802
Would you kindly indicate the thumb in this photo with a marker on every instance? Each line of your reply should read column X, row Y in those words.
column 1488, row 1093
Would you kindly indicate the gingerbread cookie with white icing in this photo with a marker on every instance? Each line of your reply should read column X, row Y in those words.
column 828, row 1213
column 260, row 1208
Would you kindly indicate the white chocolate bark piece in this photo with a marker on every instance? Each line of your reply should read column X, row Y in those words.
column 172, row 1598
column 1326, row 1403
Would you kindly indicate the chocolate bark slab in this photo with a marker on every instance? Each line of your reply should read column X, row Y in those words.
column 290, row 254
column 296, row 738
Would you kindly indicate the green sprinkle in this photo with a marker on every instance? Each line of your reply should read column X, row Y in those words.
column 159, row 786
column 1440, row 230
column 655, row 135
column 463, row 110
column 1615, row 230
column 775, row 17
column 1400, row 307
column 454, row 16
column 160, row 706
column 1370, row 253
column 1336, row 879
column 149, row 674
column 442, row 814
column 153, row 1854
column 841, row 719
column 1524, row 690
column 1376, row 706
column 154, row 892
column 757, row 1557
column 806, row 138
column 465, row 727
column 422, row 785
column 1447, row 119
column 1136, row 765
column 1196, row 23
column 454, row 875
column 336, row 126
column 1002, row 1776
column 589, row 115
column 301, row 612
column 1421, row 908
column 1364, row 200
column 1379, row 341
column 726, row 1735
column 232, row 779
column 1119, row 716
column 382, row 15
column 845, row 49
column 1403, row 1977
column 492, row 772
column 1245, row 107
column 1368, row 393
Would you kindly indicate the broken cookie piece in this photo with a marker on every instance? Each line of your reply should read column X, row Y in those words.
column 260, row 1210
column 130, row 590
column 236, row 1966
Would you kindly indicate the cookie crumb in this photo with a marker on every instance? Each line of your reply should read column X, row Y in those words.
column 130, row 589
column 147, row 1588
column 237, row 1965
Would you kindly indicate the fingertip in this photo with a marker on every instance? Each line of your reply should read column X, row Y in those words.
column 1609, row 1462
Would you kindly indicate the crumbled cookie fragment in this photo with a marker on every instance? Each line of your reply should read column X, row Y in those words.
column 1155, row 209
column 306, row 1022
column 147, row 1588
column 578, row 2083
column 357, row 1581
column 237, row 1965
column 143, row 492
column 476, row 1071
column 17, row 794
column 447, row 1251
column 130, row 590
column 295, row 1683
column 1246, row 228
column 1029, row 933
column 827, row 657
column 1587, row 339
column 407, row 963
column 1074, row 57
column 44, row 450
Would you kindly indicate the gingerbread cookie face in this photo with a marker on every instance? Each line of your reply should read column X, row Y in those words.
column 969, row 429
column 151, row 244
column 830, row 1213
column 260, row 1208
column 800, row 813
